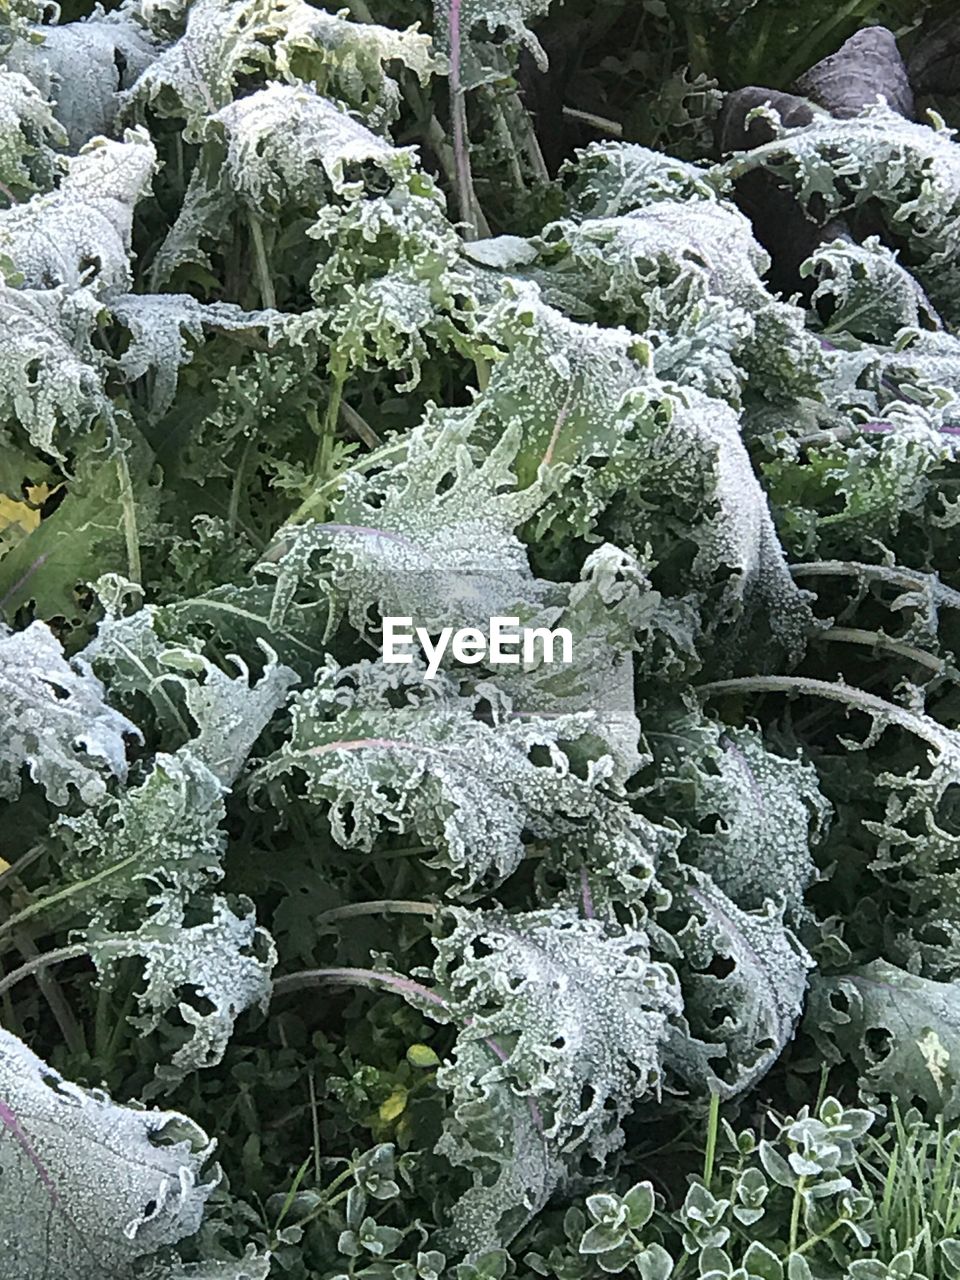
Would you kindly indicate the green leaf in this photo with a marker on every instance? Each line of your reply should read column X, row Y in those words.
column 885, row 1021
column 54, row 721
column 382, row 749
column 91, row 1184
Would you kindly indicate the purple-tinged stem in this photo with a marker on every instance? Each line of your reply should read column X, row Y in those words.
column 586, row 896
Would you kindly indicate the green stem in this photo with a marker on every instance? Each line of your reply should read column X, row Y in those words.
column 876, row 640
column 128, row 505
column 309, row 505
column 815, row 1240
column 268, row 297
column 612, row 128
column 795, row 1213
column 39, row 963
column 57, row 1002
column 102, row 1024
column 44, row 904
column 328, row 429
column 713, row 1125
column 233, row 510
column 384, row 906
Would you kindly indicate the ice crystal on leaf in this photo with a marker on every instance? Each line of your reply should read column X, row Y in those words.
column 561, row 1023
column 55, row 720
column 207, row 973
column 382, row 750
column 91, row 1186
column 735, row 1026
column 80, row 234
column 83, row 67
column 28, row 133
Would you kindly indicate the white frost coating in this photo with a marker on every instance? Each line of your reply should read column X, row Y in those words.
column 912, row 171
column 734, row 1027
column 347, row 59
column 226, row 962
column 161, row 325
column 562, row 1021
column 53, row 719
column 80, row 233
column 385, row 751
column 83, row 66
column 230, row 711
column 87, row 1186
column 277, row 137
column 27, row 130
column 480, row 19
column 433, row 537
column 49, row 378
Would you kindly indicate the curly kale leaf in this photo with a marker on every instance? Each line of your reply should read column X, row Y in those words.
column 751, row 816
column 457, row 24
column 80, row 234
column 734, row 1026
column 162, row 837
column 695, row 458
column 561, row 1023
column 28, row 134
column 433, row 536
column 196, row 75
column 94, row 1187
column 607, row 179
column 49, row 373
column 55, row 721
column 384, row 750
column 911, row 172
column 225, row 40
column 901, row 1031
column 278, row 150
column 649, row 267
column 866, row 291
column 206, row 973
column 160, row 325
column 83, row 67
column 348, row 61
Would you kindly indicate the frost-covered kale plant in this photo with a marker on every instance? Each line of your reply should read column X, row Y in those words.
column 319, row 966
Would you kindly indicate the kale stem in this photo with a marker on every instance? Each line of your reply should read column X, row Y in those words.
column 128, row 504
column 942, row 739
column 321, row 460
column 466, row 196
column 233, row 510
column 371, row 978
column 385, row 906
column 41, row 962
column 57, row 1002
column 268, row 297
column 877, row 640
column 61, row 895
column 308, row 506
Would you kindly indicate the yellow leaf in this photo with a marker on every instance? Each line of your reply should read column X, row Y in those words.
column 4, row 865
column 17, row 515
column 37, row 494
column 421, row 1055
column 394, row 1105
